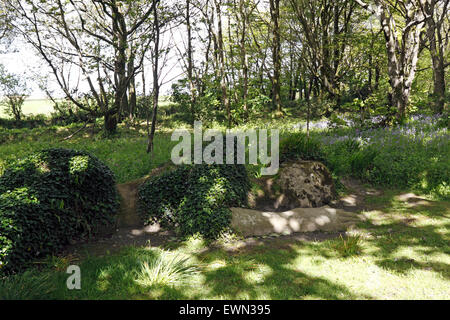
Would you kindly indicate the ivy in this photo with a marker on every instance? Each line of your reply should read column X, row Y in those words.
column 194, row 199
column 50, row 198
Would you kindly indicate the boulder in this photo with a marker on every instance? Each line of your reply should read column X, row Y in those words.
column 248, row 222
column 304, row 184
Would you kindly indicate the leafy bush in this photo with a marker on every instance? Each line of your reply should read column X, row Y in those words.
column 29, row 121
column 207, row 107
column 50, row 198
column 66, row 113
column 194, row 198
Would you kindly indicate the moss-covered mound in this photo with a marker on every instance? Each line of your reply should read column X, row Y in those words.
column 194, row 199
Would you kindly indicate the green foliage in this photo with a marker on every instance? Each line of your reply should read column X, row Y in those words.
column 50, row 198
column 207, row 107
column 361, row 161
column 14, row 91
column 362, row 111
column 194, row 198
column 350, row 246
column 26, row 286
column 414, row 155
column 299, row 146
column 166, row 269
column 259, row 102
column 66, row 112
column 26, row 122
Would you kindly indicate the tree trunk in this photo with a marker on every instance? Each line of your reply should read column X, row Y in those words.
column 110, row 122
column 190, row 60
column 434, row 34
column 223, row 85
column 276, row 56
column 402, row 60
column 151, row 132
column 243, row 50
column 120, row 63
column 132, row 100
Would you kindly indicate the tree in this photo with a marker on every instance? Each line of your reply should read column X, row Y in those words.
column 190, row 59
column 155, row 70
column 402, row 45
column 14, row 91
column 276, row 53
column 92, row 36
column 436, row 12
column 220, row 52
column 162, row 18
column 324, row 36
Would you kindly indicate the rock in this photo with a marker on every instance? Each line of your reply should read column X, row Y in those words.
column 307, row 183
column 248, row 222
column 304, row 184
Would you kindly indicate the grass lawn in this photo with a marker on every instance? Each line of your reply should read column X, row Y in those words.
column 125, row 155
column 401, row 252
column 33, row 107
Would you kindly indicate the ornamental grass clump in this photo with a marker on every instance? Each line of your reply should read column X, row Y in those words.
column 166, row 269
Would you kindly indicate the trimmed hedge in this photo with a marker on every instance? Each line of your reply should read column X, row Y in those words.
column 49, row 199
column 195, row 199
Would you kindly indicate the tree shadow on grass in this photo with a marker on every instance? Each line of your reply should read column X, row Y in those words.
column 405, row 265
column 420, row 229
column 277, row 279
column 112, row 277
column 414, row 224
column 425, row 240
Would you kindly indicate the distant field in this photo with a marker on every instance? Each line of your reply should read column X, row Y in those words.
column 45, row 106
column 33, row 106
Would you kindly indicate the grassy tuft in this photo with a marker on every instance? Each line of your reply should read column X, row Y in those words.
column 167, row 269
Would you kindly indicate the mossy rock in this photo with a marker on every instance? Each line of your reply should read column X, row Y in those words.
column 299, row 184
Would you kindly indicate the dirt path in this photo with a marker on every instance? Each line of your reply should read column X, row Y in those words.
column 136, row 235
column 354, row 201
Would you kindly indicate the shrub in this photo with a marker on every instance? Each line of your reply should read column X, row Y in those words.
column 299, row 146
column 437, row 178
column 49, row 199
column 195, row 199
column 29, row 121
